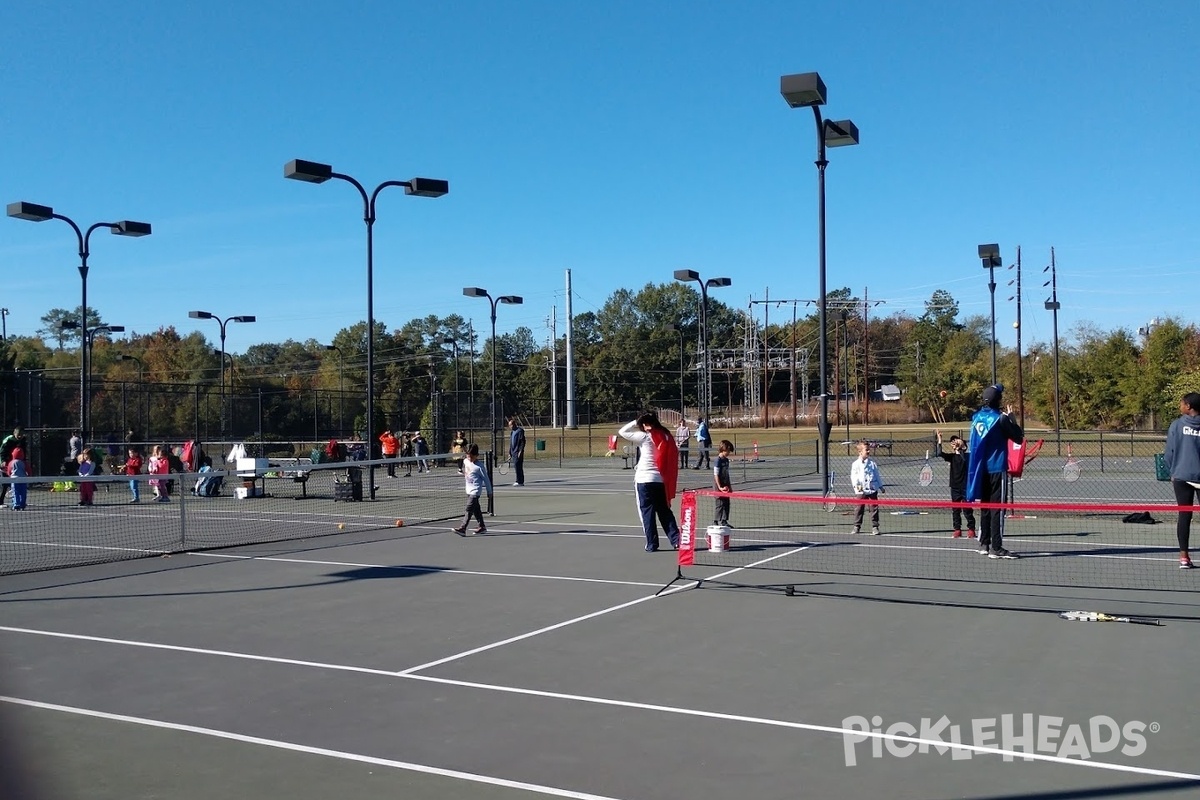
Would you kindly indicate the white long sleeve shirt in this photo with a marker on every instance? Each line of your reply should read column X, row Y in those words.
column 865, row 477
column 647, row 469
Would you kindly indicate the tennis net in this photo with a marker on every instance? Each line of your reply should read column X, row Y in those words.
column 277, row 500
column 813, row 545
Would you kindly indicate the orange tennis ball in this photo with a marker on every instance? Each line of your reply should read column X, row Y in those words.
column 943, row 393
column 399, row 523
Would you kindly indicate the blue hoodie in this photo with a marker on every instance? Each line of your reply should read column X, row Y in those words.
column 990, row 434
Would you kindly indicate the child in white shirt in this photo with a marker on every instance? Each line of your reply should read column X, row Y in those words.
column 476, row 479
column 868, row 484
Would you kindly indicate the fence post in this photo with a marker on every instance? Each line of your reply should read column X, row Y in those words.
column 1102, row 451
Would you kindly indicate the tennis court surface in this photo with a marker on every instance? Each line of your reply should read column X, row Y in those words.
column 543, row 659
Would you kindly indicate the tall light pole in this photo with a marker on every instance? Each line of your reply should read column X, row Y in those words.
column 450, row 340
column 222, row 323
column 341, row 387
column 989, row 255
column 807, row 90
column 705, row 388
column 508, row 299
column 679, row 329
column 4, row 324
column 142, row 386
column 314, row 172
column 33, row 212
column 1052, row 305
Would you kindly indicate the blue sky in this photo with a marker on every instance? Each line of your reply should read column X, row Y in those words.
column 621, row 140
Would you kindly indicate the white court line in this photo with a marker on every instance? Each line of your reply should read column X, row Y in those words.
column 202, row 651
column 430, row 570
column 88, row 547
column 309, row 750
column 604, row 701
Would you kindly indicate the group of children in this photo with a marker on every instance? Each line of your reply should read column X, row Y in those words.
column 88, row 465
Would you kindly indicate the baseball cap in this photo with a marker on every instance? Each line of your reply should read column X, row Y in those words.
column 992, row 395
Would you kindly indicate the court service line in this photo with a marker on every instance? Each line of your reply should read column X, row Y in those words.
column 807, row 726
column 309, row 750
column 431, row 570
column 295, row 662
column 565, row 623
column 610, row 702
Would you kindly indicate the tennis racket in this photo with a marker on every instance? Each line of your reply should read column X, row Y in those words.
column 926, row 476
column 1097, row 616
column 829, row 500
column 502, row 467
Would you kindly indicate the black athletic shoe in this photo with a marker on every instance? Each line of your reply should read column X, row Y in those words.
column 1002, row 553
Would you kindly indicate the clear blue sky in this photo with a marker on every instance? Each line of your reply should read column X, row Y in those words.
column 621, row 140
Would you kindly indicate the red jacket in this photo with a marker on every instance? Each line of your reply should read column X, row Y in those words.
column 666, row 458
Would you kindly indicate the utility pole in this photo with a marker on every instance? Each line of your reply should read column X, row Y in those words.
column 1017, row 325
column 767, row 303
column 552, row 324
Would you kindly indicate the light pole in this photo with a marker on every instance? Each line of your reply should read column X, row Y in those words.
column 686, row 275
column 341, row 388
column 4, row 324
column 33, row 212
column 507, row 299
column 1052, row 305
column 223, row 355
column 989, row 254
column 142, row 386
column 223, row 323
column 679, row 329
column 314, row 172
column 450, row 340
column 801, row 91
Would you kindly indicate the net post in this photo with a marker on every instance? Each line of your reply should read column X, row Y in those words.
column 679, row 576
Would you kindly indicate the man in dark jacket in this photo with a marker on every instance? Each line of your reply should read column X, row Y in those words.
column 987, row 465
column 957, row 459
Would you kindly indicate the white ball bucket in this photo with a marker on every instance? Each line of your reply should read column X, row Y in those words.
column 718, row 538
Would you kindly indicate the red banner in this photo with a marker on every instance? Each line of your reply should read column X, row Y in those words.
column 687, row 529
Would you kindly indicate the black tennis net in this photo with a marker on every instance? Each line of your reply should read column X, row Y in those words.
column 1118, row 552
column 276, row 500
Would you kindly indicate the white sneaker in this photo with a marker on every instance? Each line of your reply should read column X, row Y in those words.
column 874, row 531
column 854, row 529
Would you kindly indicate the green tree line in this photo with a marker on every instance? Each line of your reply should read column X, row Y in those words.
column 626, row 358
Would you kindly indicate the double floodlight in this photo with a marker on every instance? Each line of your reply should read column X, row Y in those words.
column 807, row 90
column 692, row 275
column 210, row 315
column 510, row 299
column 32, row 212
column 314, row 172
column 989, row 255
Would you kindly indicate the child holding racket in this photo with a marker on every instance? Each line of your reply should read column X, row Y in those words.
column 868, row 484
column 957, row 459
